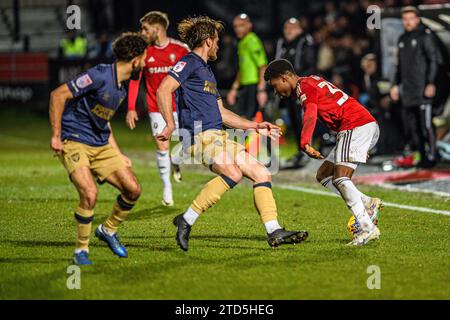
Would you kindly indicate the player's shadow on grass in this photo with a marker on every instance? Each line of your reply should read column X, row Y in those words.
column 38, row 243
column 150, row 247
column 218, row 238
column 209, row 238
column 153, row 213
column 50, row 200
column 31, row 260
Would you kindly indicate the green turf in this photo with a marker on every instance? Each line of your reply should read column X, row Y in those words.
column 229, row 257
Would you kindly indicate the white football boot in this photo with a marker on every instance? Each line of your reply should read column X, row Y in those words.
column 373, row 208
column 365, row 236
column 167, row 199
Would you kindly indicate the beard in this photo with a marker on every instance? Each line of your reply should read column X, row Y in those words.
column 212, row 55
column 135, row 72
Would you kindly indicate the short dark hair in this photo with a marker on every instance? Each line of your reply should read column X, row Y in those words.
column 278, row 67
column 156, row 17
column 409, row 9
column 195, row 30
column 129, row 46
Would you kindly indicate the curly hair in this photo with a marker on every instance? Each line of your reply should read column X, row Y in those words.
column 156, row 17
column 195, row 30
column 129, row 46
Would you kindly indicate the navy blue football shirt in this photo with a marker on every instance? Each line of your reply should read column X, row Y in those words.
column 97, row 96
column 197, row 95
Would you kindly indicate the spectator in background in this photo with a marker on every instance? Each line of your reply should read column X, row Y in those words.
column 103, row 48
column 297, row 47
column 325, row 53
column 371, row 94
column 249, row 81
column 375, row 97
column 226, row 65
column 414, row 84
column 73, row 46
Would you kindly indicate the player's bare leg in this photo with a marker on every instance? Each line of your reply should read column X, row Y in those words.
column 164, row 167
column 352, row 197
column 84, row 183
column 325, row 177
column 130, row 190
column 264, row 201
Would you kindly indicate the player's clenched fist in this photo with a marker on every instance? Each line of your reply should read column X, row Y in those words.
column 313, row 153
column 56, row 145
column 269, row 129
column 131, row 119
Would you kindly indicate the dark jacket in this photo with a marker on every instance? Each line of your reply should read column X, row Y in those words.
column 417, row 65
column 301, row 52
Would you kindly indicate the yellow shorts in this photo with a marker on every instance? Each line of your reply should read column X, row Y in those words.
column 212, row 143
column 102, row 160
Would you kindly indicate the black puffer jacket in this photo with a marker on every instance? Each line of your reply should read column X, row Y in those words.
column 418, row 58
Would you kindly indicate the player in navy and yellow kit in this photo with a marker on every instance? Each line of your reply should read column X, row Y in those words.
column 202, row 114
column 80, row 111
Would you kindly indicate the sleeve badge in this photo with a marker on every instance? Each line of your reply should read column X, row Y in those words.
column 179, row 66
column 84, row 81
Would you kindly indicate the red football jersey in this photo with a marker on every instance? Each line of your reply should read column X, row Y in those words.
column 159, row 61
column 321, row 99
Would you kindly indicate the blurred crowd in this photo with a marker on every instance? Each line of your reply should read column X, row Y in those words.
column 330, row 39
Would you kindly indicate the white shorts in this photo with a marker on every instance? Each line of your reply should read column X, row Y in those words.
column 353, row 146
column 157, row 122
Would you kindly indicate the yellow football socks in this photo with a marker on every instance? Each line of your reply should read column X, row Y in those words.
column 211, row 193
column 120, row 212
column 84, row 219
column 264, row 201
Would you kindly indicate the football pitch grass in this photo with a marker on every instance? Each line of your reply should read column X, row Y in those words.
column 229, row 257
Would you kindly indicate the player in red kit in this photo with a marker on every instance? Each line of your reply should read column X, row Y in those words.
column 162, row 54
column 357, row 133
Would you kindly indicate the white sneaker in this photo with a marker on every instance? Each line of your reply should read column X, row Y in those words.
column 365, row 237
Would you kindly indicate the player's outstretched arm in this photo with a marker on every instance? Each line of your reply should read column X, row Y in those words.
column 58, row 99
column 309, row 124
column 164, row 100
column 232, row 120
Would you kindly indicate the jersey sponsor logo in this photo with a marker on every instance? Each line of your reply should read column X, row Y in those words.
column 210, row 87
column 83, row 81
column 102, row 112
column 164, row 69
column 179, row 66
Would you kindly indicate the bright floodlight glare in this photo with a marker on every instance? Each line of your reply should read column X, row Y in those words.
column 243, row 16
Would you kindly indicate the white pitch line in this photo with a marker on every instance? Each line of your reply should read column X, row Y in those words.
column 387, row 204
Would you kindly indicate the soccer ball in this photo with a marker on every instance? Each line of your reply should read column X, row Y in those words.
column 353, row 227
